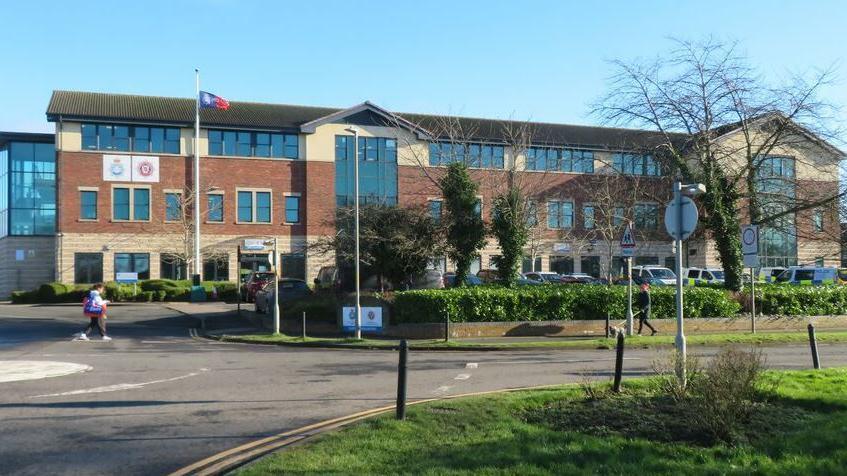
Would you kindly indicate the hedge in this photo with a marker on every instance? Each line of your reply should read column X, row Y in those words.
column 788, row 300
column 144, row 291
column 544, row 303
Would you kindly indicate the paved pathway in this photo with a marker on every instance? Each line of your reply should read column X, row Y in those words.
column 155, row 399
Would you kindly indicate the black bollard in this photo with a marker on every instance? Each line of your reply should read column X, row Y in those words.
column 446, row 326
column 608, row 329
column 813, row 342
column 401, row 380
column 618, row 363
column 304, row 326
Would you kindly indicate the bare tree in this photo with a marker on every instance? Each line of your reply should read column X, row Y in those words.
column 699, row 100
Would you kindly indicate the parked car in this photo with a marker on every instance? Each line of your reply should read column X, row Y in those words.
column 544, row 277
column 577, row 278
column 488, row 275
column 653, row 275
column 768, row 274
column 470, row 280
column 430, row 279
column 254, row 283
column 692, row 276
column 289, row 290
column 808, row 276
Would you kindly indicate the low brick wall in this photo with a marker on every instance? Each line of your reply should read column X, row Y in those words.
column 597, row 328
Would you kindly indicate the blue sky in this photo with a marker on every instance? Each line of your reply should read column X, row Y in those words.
column 543, row 61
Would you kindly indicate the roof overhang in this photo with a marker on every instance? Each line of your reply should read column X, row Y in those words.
column 41, row 137
column 311, row 126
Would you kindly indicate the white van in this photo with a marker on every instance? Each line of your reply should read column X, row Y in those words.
column 692, row 276
column 808, row 276
column 653, row 275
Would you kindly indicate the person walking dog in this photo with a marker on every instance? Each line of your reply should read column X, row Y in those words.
column 644, row 303
column 94, row 307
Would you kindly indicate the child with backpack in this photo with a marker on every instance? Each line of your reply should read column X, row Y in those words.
column 94, row 307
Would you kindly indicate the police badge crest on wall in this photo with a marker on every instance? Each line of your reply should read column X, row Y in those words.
column 126, row 168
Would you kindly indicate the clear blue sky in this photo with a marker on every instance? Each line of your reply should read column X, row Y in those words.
column 543, row 61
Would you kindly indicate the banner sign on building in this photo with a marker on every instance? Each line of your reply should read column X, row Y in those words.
column 562, row 247
column 117, row 168
column 130, row 168
column 145, row 169
column 371, row 318
column 254, row 245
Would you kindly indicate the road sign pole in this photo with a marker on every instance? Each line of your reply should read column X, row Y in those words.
column 629, row 323
column 752, row 302
column 680, row 335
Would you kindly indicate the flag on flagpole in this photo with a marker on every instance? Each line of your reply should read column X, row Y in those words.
column 210, row 101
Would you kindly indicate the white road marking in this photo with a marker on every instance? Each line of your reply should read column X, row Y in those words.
column 17, row 370
column 120, row 386
column 442, row 389
column 471, row 365
column 462, row 377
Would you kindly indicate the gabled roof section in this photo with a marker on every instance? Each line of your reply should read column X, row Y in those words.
column 388, row 116
column 734, row 127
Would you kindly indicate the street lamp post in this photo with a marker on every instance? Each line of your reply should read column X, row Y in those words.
column 355, row 132
column 275, row 263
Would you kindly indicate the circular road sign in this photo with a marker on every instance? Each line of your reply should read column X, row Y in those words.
column 689, row 218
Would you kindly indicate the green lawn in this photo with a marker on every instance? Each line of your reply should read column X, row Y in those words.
column 801, row 431
column 761, row 338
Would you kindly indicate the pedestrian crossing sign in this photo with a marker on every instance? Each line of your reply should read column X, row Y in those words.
column 628, row 241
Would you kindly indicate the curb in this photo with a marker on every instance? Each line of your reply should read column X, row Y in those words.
column 412, row 346
column 249, row 452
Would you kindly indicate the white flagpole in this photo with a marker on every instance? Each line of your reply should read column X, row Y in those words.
column 197, row 259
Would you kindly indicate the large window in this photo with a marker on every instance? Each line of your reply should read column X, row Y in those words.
column 590, row 265
column 172, row 267
column 561, row 264
column 377, row 170
column 88, row 205
column 776, row 184
column 473, row 155
column 292, row 209
column 636, row 164
column 254, row 206
column 133, row 263
column 646, row 216
column 528, row 264
column 88, row 268
column 254, row 144
column 131, row 203
column 216, row 207
column 29, row 170
column 125, row 138
column 588, row 221
column 293, row 265
column 216, row 269
column 560, row 160
column 559, row 214
column 435, row 207
column 173, row 206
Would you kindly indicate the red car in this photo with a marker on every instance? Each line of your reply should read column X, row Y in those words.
column 254, row 283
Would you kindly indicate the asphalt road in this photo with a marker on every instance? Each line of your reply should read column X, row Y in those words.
column 155, row 399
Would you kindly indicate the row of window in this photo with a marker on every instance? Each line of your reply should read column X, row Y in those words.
column 254, row 144
column 560, row 160
column 88, row 267
column 377, row 170
column 132, row 203
column 473, row 155
column 636, row 164
column 130, row 138
column 560, row 214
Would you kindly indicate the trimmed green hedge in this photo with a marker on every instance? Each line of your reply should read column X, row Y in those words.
column 545, row 303
column 787, row 300
column 144, row 291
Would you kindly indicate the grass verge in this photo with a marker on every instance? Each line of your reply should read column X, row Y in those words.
column 761, row 338
column 803, row 433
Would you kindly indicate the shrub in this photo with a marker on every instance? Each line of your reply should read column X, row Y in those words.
column 321, row 308
column 53, row 292
column 24, row 297
column 159, row 295
column 788, row 300
column 551, row 302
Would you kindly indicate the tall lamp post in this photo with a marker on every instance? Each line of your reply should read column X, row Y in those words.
column 276, row 265
column 679, row 190
column 355, row 132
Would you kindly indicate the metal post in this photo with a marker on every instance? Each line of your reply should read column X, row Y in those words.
column 813, row 342
column 401, row 380
column 608, row 325
column 752, row 302
column 238, row 278
column 629, row 319
column 680, row 335
column 618, row 363
column 304, row 326
column 356, row 205
column 446, row 326
column 276, row 287
column 196, row 212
